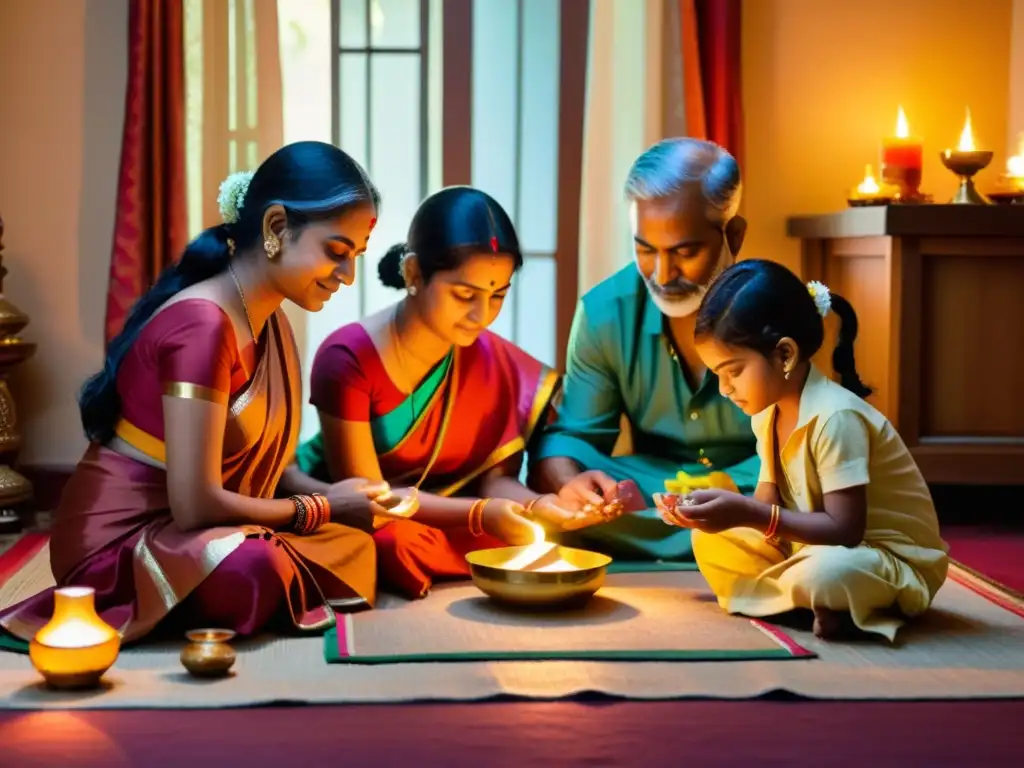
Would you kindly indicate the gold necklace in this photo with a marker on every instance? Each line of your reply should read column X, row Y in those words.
column 401, row 358
column 245, row 307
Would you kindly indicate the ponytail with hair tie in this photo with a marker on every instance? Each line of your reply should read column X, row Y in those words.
column 843, row 362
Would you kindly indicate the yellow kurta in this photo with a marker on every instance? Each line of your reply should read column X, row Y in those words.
column 840, row 441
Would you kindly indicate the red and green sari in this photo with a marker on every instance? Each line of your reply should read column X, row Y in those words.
column 478, row 408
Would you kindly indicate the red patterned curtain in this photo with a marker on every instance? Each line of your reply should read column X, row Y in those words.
column 711, row 38
column 151, row 227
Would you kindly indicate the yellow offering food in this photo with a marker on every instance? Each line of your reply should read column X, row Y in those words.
column 685, row 483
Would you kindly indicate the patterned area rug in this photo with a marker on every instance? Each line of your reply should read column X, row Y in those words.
column 971, row 645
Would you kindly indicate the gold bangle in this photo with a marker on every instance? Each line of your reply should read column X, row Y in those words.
column 476, row 517
column 528, row 509
column 773, row 523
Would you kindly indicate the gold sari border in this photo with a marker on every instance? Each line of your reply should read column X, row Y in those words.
column 141, row 441
column 545, row 391
column 189, row 391
column 500, row 454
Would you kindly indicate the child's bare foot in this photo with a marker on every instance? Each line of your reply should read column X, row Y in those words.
column 833, row 625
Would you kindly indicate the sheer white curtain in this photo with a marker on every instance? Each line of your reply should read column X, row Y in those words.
column 633, row 100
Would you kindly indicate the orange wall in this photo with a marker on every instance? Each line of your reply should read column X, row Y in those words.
column 62, row 78
column 822, row 80
column 821, row 85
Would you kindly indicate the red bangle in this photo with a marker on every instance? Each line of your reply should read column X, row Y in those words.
column 325, row 508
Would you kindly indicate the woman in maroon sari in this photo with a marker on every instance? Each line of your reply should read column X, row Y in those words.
column 195, row 416
column 422, row 395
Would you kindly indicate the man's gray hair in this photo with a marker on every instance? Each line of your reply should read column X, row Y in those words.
column 667, row 167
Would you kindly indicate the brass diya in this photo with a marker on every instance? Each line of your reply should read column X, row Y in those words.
column 965, row 161
column 208, row 653
column 581, row 574
column 965, row 164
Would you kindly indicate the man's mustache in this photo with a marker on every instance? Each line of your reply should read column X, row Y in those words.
column 677, row 289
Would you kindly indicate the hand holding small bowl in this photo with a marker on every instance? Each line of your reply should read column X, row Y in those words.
column 396, row 506
column 671, row 509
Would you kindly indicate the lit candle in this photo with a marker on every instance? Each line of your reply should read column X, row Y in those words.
column 902, row 158
column 1011, row 184
column 869, row 187
column 1015, row 164
column 870, row 192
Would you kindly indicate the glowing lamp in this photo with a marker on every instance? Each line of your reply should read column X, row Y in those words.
column 902, row 159
column 1010, row 189
column 1015, row 168
column 965, row 161
column 870, row 192
column 76, row 647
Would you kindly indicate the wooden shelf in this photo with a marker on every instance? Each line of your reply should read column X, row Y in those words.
column 939, row 293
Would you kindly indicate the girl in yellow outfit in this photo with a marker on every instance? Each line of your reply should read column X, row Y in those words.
column 842, row 522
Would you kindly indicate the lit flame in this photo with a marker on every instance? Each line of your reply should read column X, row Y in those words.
column 869, row 186
column 902, row 127
column 540, row 555
column 1015, row 164
column 966, row 136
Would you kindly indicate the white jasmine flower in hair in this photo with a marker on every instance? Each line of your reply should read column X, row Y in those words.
column 232, row 195
column 822, row 298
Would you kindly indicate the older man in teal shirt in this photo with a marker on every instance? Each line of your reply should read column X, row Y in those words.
column 631, row 353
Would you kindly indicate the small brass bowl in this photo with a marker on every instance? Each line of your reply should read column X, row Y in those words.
column 208, row 653
column 538, row 589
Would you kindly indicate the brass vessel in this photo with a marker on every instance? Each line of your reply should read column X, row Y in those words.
column 208, row 653
column 75, row 648
column 965, row 164
column 15, row 490
column 538, row 589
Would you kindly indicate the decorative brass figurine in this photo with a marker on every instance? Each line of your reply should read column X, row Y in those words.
column 15, row 490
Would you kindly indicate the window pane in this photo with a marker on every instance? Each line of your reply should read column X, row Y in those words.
column 394, row 165
column 504, row 324
column 307, row 56
column 494, row 100
column 535, row 315
column 352, row 105
column 352, row 23
column 342, row 309
column 538, row 159
column 395, row 23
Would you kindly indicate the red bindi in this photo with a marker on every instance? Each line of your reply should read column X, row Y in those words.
column 373, row 223
column 494, row 244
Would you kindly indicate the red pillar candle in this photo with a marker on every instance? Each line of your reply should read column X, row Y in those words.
column 902, row 156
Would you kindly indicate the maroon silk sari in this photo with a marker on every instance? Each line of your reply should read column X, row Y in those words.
column 113, row 530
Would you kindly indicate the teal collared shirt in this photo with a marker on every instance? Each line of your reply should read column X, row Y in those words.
column 619, row 361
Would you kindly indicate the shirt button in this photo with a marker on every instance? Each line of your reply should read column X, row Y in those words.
column 694, row 415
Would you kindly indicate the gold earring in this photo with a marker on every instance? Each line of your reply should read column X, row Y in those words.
column 272, row 246
column 412, row 290
column 786, row 376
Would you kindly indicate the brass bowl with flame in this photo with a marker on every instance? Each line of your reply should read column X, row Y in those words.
column 538, row 588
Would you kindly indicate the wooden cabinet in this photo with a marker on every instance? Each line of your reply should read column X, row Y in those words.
column 939, row 293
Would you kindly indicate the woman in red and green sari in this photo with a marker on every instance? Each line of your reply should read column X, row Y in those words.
column 170, row 516
column 422, row 395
